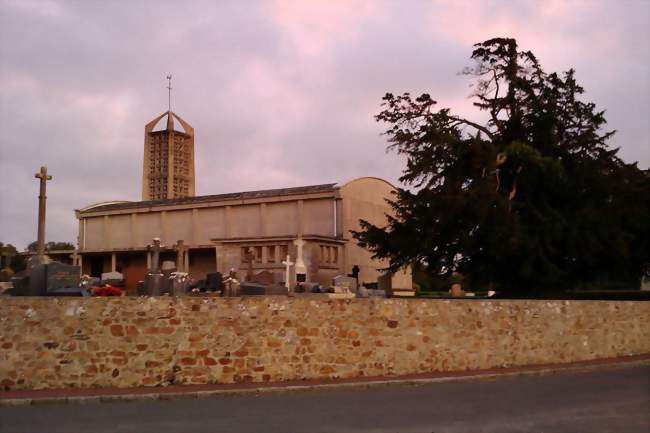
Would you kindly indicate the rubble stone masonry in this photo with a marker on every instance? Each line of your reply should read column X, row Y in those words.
column 122, row 342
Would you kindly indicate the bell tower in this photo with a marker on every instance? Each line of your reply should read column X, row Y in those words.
column 168, row 170
column 168, row 167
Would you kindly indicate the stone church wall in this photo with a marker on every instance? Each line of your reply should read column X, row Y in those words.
column 102, row 342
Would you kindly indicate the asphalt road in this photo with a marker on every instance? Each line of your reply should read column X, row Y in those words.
column 608, row 400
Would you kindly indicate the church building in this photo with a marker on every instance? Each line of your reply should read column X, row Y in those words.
column 225, row 231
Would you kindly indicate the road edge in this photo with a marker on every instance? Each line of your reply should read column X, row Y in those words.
column 123, row 395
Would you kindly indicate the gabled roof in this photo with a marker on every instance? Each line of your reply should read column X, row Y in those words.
column 245, row 195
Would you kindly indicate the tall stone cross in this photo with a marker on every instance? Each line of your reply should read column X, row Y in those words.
column 155, row 261
column 40, row 244
column 248, row 259
column 287, row 273
column 181, row 249
column 301, row 269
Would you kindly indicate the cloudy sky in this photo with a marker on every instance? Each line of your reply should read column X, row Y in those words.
column 280, row 93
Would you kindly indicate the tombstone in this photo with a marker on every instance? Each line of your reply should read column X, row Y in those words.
column 300, row 268
column 385, row 283
column 214, row 282
column 255, row 289
column 370, row 290
column 231, row 284
column 88, row 282
column 287, row 271
column 179, row 283
column 140, row 288
column 345, row 282
column 181, row 250
column 36, row 280
column 311, row 288
column 154, row 285
column 113, row 278
column 355, row 273
column 264, row 277
column 61, row 276
column 154, row 281
column 168, row 266
column 248, row 259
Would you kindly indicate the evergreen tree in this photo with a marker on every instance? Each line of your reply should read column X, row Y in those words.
column 534, row 198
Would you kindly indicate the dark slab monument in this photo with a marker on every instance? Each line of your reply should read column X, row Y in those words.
column 214, row 282
column 61, row 276
column 254, row 289
column 264, row 277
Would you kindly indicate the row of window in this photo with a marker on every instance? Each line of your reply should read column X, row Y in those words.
column 275, row 254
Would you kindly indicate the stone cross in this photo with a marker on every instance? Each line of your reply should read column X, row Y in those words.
column 181, row 249
column 300, row 263
column 248, row 259
column 44, row 177
column 155, row 261
column 287, row 275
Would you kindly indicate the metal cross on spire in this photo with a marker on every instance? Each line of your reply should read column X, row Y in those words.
column 169, row 88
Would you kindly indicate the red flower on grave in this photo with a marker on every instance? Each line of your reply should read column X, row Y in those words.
column 107, row 290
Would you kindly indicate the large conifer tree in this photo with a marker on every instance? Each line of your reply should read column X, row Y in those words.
column 532, row 199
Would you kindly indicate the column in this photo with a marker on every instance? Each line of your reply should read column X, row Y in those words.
column 148, row 260
column 113, row 262
column 187, row 261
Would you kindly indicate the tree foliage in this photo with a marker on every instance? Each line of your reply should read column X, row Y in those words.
column 51, row 246
column 532, row 198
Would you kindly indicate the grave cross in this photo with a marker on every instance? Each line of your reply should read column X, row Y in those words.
column 181, row 248
column 44, row 177
column 248, row 259
column 287, row 274
column 155, row 261
column 301, row 269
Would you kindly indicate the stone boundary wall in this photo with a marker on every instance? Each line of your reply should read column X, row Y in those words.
column 122, row 342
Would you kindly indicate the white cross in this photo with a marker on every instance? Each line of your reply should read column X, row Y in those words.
column 287, row 263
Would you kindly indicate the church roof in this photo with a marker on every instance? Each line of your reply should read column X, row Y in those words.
column 245, row 195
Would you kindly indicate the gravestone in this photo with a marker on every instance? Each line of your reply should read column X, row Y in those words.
column 36, row 280
column 155, row 285
column 61, row 276
column 112, row 278
column 345, row 282
column 154, row 281
column 140, row 289
column 179, row 283
column 248, row 258
column 385, row 283
column 20, row 285
column 231, row 284
column 264, row 277
column 214, row 282
column 254, row 289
